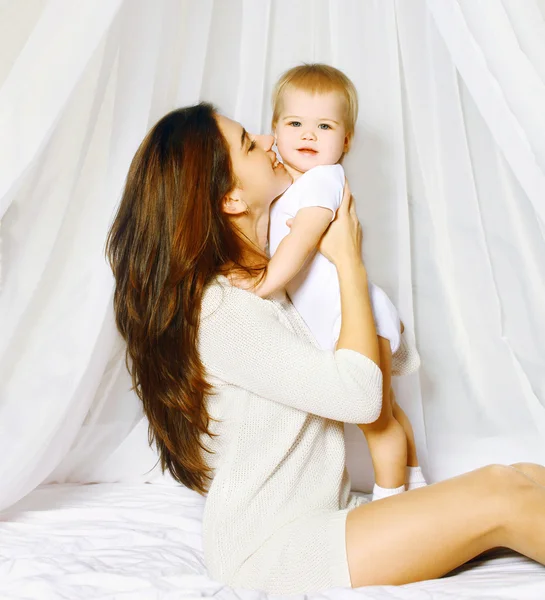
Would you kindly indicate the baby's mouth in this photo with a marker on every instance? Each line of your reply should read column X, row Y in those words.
column 307, row 151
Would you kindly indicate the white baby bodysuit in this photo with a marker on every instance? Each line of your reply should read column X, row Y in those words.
column 315, row 290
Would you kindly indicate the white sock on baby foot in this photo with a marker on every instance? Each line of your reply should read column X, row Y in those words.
column 415, row 478
column 380, row 492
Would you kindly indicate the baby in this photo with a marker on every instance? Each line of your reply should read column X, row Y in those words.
column 314, row 116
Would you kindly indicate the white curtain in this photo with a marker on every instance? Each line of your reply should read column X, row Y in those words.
column 448, row 169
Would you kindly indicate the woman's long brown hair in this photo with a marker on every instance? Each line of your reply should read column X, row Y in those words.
column 169, row 238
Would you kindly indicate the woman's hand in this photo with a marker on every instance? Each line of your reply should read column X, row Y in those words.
column 342, row 240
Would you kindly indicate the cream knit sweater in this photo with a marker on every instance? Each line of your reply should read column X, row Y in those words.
column 280, row 484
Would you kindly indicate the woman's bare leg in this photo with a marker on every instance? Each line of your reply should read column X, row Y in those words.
column 428, row 532
column 535, row 472
column 403, row 420
column 385, row 437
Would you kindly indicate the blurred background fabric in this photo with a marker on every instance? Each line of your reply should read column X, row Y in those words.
column 448, row 170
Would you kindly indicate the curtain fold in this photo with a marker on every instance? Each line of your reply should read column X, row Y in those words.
column 28, row 121
column 502, row 81
column 447, row 168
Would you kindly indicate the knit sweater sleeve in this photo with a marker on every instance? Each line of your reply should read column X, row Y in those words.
column 406, row 359
column 243, row 342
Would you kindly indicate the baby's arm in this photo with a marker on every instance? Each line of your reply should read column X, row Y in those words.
column 306, row 230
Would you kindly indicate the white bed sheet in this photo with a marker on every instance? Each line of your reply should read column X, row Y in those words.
column 143, row 542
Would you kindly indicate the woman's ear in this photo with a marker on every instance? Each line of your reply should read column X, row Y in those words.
column 233, row 204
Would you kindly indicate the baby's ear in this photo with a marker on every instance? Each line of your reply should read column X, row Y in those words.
column 347, row 142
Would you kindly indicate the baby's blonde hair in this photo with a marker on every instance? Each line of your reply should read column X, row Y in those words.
column 317, row 78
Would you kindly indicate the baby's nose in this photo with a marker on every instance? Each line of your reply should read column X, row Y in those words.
column 309, row 135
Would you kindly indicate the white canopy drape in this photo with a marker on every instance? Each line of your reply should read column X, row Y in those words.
column 448, row 169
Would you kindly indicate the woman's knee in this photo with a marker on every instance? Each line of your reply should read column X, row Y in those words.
column 504, row 485
column 526, row 467
column 498, row 475
column 517, row 473
column 533, row 471
column 498, row 490
column 493, row 481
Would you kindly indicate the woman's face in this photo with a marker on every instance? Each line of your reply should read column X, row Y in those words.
column 261, row 178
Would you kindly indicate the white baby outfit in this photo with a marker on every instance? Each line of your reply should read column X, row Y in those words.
column 315, row 290
column 276, row 509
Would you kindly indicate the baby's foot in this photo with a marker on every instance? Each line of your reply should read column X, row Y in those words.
column 414, row 478
column 380, row 492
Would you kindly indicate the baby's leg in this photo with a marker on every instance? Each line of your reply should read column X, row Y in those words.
column 385, row 437
column 403, row 419
column 415, row 478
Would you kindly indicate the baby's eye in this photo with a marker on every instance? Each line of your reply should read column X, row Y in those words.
column 324, row 126
column 295, row 123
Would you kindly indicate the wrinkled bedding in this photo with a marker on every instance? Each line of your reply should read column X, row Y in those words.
column 143, row 542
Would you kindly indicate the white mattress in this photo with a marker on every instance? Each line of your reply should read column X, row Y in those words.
column 143, row 542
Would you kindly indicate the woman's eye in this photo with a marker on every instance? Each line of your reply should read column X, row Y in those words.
column 252, row 146
column 324, row 126
column 295, row 123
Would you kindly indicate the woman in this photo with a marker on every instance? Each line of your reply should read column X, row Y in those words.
column 245, row 407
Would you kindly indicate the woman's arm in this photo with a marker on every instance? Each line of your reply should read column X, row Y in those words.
column 342, row 246
column 406, row 359
column 242, row 342
column 357, row 325
column 306, row 230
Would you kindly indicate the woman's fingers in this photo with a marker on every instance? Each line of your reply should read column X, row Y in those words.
column 355, row 220
column 352, row 210
column 347, row 198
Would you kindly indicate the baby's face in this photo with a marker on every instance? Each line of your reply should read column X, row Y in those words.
column 310, row 130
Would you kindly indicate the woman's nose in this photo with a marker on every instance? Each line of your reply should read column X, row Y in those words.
column 265, row 141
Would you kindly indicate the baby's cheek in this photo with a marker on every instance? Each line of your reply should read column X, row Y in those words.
column 283, row 144
column 333, row 153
